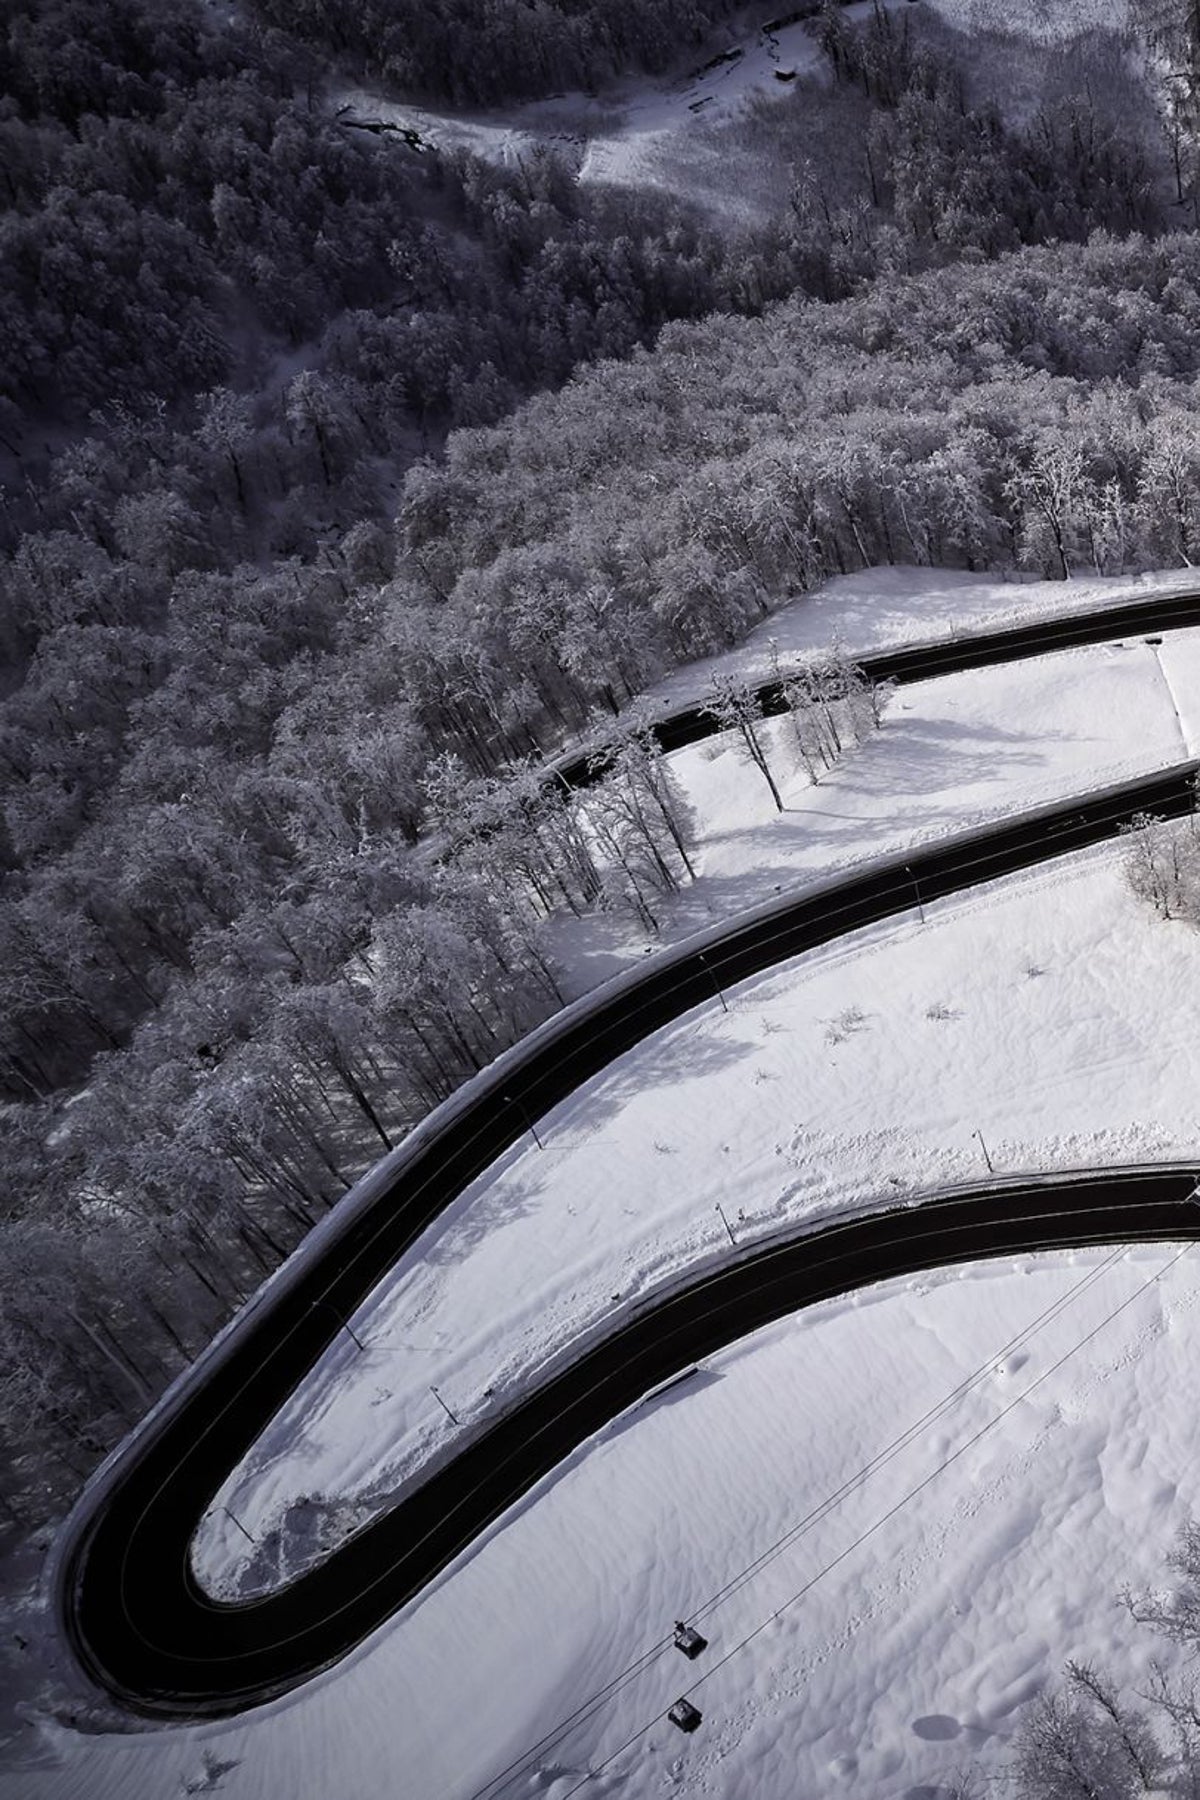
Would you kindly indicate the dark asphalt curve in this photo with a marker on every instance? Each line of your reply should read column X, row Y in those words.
column 139, row 1624
column 922, row 662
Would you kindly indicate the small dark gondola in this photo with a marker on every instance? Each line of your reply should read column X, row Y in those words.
column 685, row 1715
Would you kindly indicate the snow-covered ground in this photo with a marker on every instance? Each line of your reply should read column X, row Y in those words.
column 884, row 609
column 955, row 752
column 1049, row 1012
column 879, row 1663
column 881, row 1677
column 1052, row 1014
column 615, row 134
column 633, row 133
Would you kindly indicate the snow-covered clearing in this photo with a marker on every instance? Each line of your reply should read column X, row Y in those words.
column 910, row 1658
column 884, row 609
column 615, row 134
column 1050, row 1013
column 955, row 752
column 632, row 133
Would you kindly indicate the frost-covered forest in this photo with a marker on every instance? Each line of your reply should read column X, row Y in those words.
column 476, row 52
column 345, row 478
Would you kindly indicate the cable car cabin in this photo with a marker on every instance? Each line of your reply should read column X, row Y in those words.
column 688, row 1639
column 685, row 1715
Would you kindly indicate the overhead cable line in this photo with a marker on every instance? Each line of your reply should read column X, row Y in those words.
column 884, row 1519
column 600, row 1696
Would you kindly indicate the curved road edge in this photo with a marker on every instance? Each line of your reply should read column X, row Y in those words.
column 906, row 663
column 137, row 1621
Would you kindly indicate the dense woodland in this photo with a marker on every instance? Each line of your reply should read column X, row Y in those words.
column 301, row 584
column 479, row 52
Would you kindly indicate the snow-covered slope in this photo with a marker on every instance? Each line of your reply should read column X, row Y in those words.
column 1053, row 1016
column 613, row 136
column 856, row 1070
column 883, row 1653
column 634, row 133
column 1050, row 1014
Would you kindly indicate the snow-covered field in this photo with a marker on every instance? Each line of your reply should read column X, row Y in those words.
column 887, row 1651
column 882, row 1676
column 1049, row 1013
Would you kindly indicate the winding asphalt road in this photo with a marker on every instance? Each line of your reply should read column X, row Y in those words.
column 922, row 662
column 140, row 1626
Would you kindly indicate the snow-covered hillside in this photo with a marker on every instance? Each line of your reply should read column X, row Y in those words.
column 884, row 1642
column 614, row 136
column 632, row 133
column 1045, row 1021
column 1050, row 1014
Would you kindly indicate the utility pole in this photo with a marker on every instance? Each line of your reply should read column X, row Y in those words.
column 725, row 1223
column 1154, row 643
column 238, row 1523
column 704, row 964
column 453, row 1417
column 344, row 1323
column 916, row 891
column 987, row 1159
column 514, row 1100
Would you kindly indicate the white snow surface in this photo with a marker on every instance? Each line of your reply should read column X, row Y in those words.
column 884, row 609
column 1051, row 1014
column 908, row 1658
column 1048, row 1012
column 614, row 135
column 956, row 752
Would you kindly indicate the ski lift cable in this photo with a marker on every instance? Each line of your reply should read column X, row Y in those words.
column 632, row 1670
column 884, row 1519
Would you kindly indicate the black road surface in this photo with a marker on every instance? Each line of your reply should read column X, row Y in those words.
column 140, row 1626
column 922, row 662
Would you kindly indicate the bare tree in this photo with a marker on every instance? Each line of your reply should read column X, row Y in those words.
column 1069, row 1749
column 735, row 706
column 1162, row 864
